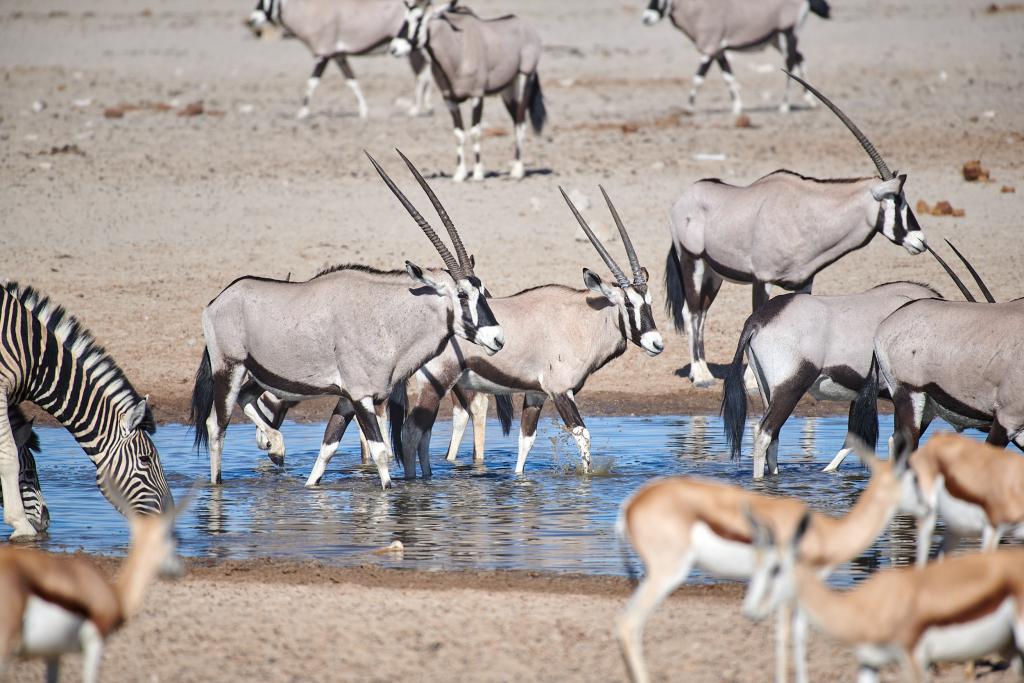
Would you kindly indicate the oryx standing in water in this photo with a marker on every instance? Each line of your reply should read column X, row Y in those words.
column 780, row 230
column 471, row 58
column 352, row 331
column 558, row 337
column 337, row 29
column 720, row 26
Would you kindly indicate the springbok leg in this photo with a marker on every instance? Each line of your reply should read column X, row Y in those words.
column 698, row 80
column 730, row 80
column 565, row 404
column 476, row 132
column 311, row 84
column 532, row 405
column 353, row 84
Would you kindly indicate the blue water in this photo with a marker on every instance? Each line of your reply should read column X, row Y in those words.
column 466, row 516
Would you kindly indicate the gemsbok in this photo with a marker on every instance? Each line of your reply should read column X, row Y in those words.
column 677, row 523
column 717, row 27
column 471, row 58
column 338, row 29
column 557, row 338
column 951, row 611
column 27, row 443
column 352, row 332
column 48, row 357
column 780, row 230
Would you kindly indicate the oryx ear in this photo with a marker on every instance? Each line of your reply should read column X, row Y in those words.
column 420, row 276
column 644, row 274
column 887, row 188
column 595, row 284
column 133, row 419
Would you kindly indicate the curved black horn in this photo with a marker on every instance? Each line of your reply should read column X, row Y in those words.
column 977, row 278
column 634, row 262
column 449, row 260
column 460, row 250
column 620, row 277
column 883, row 170
column 949, row 271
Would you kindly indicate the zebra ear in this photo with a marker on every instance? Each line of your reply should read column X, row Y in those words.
column 134, row 417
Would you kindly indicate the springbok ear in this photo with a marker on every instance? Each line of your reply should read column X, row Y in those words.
column 184, row 502
column 420, row 276
column 595, row 284
column 135, row 415
column 887, row 188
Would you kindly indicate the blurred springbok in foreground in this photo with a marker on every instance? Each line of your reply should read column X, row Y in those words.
column 337, row 29
column 351, row 331
column 677, row 523
column 471, row 58
column 27, row 443
column 954, row 610
column 781, row 230
column 720, row 26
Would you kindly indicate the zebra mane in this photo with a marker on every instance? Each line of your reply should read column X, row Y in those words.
column 79, row 342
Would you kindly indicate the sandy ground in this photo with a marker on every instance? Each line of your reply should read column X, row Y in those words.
column 158, row 212
column 367, row 624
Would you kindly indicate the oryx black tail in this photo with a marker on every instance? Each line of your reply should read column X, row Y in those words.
column 734, row 394
column 535, row 103
column 675, row 297
column 821, row 8
column 202, row 400
column 864, row 410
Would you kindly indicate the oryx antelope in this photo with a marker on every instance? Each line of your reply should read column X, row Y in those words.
column 27, row 443
column 955, row 610
column 558, row 337
column 717, row 27
column 678, row 523
column 471, row 58
column 352, row 332
column 781, row 230
column 48, row 357
column 338, row 29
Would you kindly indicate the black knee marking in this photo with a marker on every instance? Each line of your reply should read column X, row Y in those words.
column 903, row 416
column 343, row 64
column 568, row 411
column 784, row 398
column 530, row 416
column 723, row 63
column 997, row 434
column 704, row 66
column 318, row 67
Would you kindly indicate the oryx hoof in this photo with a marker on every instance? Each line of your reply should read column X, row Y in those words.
column 518, row 171
column 451, row 458
column 478, row 172
column 313, row 483
column 460, row 174
column 364, row 112
column 703, row 382
column 302, row 114
column 386, row 484
column 784, row 108
column 276, row 458
column 415, row 111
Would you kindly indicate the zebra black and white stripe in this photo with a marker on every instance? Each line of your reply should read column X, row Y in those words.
column 27, row 443
column 49, row 358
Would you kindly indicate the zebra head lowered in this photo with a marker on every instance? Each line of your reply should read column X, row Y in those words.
column 631, row 297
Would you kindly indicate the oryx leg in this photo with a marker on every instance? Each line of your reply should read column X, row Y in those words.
column 997, row 434
column 460, row 141
column 532, row 405
column 343, row 413
column 417, row 428
column 476, row 133
column 367, row 418
column 478, row 411
column 844, row 451
column 700, row 286
column 793, row 61
column 730, row 80
column 460, row 419
column 514, row 97
column 311, row 84
column 350, row 80
column 782, row 401
column 760, row 293
column 698, row 79
column 420, row 64
column 565, row 404
column 14, row 509
column 227, row 382
column 908, row 413
column 267, row 412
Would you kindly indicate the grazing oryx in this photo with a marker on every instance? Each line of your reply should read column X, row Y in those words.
column 558, row 337
column 61, row 604
column 978, row 490
column 49, row 358
column 781, row 230
column 27, row 442
column 336, row 29
column 677, row 523
column 720, row 26
column 352, row 332
column 954, row 610
column 471, row 58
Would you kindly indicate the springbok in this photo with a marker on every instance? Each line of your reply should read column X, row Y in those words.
column 352, row 331
column 471, row 58
column 780, row 230
column 955, row 610
column 338, row 29
column 677, row 523
column 61, row 604
column 27, row 443
column 719, row 26
column 558, row 337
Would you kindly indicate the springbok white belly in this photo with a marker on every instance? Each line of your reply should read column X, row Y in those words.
column 981, row 636
column 48, row 629
column 721, row 556
column 965, row 519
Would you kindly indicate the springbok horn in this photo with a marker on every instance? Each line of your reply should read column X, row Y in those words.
column 620, row 277
column 460, row 250
column 883, row 170
column 634, row 262
column 977, row 278
column 956, row 280
column 449, row 260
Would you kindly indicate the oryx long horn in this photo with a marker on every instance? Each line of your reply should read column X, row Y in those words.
column 449, row 260
column 620, row 277
column 634, row 262
column 883, row 170
column 460, row 250
column 977, row 278
column 956, row 280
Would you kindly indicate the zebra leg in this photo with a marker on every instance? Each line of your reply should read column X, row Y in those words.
column 460, row 141
column 532, row 405
column 14, row 509
column 311, row 84
column 420, row 64
column 367, row 419
column 352, row 83
column 475, row 133
column 565, row 404
column 478, row 411
column 698, row 80
column 227, row 382
column 336, row 426
column 730, row 80
column 700, row 286
column 28, row 476
column 460, row 418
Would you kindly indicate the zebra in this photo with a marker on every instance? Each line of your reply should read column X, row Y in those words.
column 49, row 358
column 27, row 442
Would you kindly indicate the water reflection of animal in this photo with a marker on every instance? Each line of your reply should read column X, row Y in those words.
column 315, row 338
column 676, row 524
column 49, row 358
column 954, row 610
column 27, row 443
